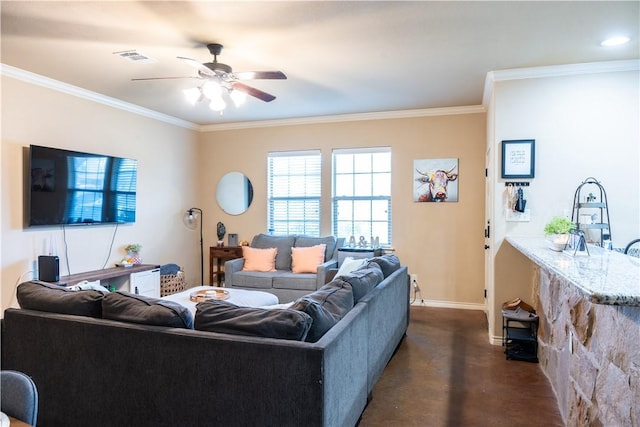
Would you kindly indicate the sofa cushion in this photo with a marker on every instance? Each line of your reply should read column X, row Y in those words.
column 282, row 243
column 259, row 259
column 128, row 307
column 42, row 296
column 224, row 317
column 388, row 263
column 307, row 259
column 306, row 241
column 254, row 279
column 297, row 281
column 362, row 280
column 326, row 306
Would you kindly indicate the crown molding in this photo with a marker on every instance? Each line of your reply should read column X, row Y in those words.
column 400, row 114
column 555, row 71
column 491, row 78
column 56, row 85
column 36, row 79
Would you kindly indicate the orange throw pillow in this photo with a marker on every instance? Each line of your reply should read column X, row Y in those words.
column 306, row 260
column 259, row 259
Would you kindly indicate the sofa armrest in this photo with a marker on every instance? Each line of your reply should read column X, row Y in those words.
column 323, row 269
column 230, row 267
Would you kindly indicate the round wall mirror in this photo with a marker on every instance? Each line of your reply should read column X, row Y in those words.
column 234, row 193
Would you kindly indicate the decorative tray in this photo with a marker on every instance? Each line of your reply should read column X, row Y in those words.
column 123, row 265
column 207, row 294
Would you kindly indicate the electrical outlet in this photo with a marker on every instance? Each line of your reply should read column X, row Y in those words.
column 414, row 279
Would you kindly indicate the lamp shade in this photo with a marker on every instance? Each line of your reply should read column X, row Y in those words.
column 191, row 218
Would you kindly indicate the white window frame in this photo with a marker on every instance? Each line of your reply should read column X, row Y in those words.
column 294, row 192
column 375, row 197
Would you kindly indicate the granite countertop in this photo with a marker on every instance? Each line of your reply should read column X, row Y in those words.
column 605, row 277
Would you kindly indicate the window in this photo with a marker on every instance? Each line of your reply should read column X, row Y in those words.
column 294, row 191
column 362, row 194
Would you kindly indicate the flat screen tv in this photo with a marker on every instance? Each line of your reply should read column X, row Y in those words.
column 74, row 188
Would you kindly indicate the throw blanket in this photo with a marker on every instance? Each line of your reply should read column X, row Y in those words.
column 169, row 269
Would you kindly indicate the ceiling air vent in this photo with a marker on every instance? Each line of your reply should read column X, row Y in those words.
column 135, row 56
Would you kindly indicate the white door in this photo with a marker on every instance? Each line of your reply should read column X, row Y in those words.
column 488, row 234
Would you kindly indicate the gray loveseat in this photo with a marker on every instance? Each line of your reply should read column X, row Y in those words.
column 282, row 282
column 101, row 372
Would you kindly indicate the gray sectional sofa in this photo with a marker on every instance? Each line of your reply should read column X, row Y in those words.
column 97, row 371
column 282, row 282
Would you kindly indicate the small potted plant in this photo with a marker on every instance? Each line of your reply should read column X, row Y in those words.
column 133, row 253
column 557, row 231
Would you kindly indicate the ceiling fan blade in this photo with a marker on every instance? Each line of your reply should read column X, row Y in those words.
column 198, row 66
column 250, row 75
column 165, row 78
column 253, row 91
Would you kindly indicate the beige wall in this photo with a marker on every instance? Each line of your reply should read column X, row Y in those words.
column 442, row 243
column 167, row 183
column 584, row 126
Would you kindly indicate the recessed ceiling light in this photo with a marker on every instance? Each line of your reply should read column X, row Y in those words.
column 615, row 41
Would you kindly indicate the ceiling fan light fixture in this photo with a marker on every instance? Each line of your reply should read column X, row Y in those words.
column 217, row 104
column 193, row 95
column 212, row 90
column 238, row 97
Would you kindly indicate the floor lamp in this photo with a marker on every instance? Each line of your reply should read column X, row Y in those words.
column 192, row 218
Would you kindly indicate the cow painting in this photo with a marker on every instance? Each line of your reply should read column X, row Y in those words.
column 432, row 185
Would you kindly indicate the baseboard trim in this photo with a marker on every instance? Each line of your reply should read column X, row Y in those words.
column 448, row 304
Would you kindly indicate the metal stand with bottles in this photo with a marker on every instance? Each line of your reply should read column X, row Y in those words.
column 591, row 211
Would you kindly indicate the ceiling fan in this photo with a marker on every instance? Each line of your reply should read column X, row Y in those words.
column 223, row 77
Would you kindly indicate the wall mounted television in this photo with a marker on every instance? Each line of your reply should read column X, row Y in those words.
column 74, row 188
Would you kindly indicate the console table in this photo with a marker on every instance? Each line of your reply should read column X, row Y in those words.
column 357, row 253
column 143, row 279
column 221, row 254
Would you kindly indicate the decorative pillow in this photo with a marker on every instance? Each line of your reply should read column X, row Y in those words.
column 42, row 296
column 363, row 280
column 326, row 306
column 349, row 264
column 388, row 263
column 259, row 259
column 128, row 307
column 306, row 260
column 227, row 318
column 306, row 241
column 282, row 243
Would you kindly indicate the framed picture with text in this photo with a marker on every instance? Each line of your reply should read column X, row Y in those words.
column 518, row 158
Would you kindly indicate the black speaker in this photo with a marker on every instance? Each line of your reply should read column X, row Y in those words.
column 48, row 268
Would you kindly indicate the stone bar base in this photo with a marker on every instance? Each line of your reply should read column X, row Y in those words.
column 590, row 353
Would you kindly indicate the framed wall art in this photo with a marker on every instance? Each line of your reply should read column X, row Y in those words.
column 435, row 180
column 518, row 158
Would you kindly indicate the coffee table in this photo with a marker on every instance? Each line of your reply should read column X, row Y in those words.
column 239, row 297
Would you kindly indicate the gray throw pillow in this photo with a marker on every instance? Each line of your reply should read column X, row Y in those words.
column 326, row 306
column 362, row 280
column 42, row 296
column 128, row 307
column 282, row 243
column 306, row 241
column 228, row 318
column 388, row 263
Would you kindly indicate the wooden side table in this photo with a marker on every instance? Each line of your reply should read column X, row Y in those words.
column 221, row 254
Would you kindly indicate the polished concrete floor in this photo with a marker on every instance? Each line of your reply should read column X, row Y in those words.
column 445, row 373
